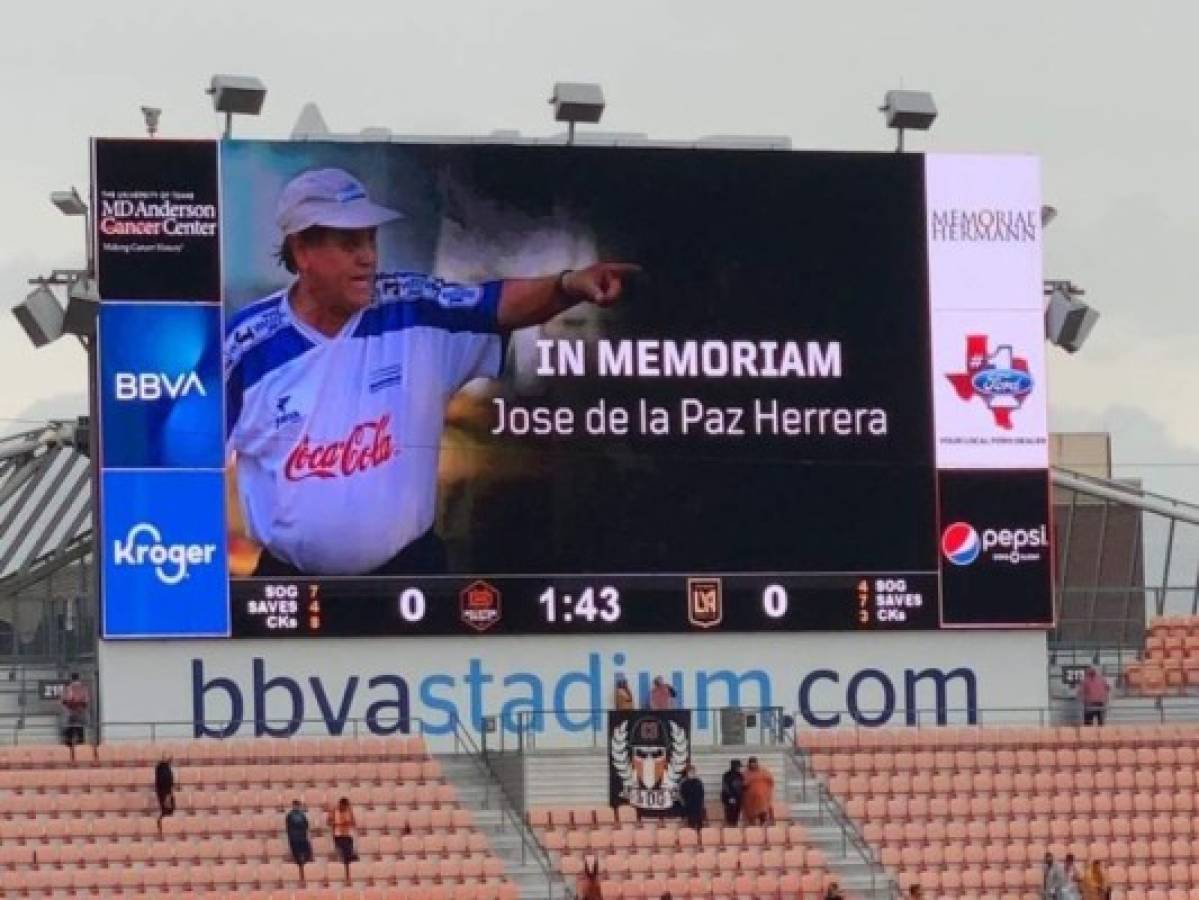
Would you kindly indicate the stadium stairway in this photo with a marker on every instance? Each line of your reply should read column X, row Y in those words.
column 24, row 716
column 481, row 793
column 579, row 779
column 1127, row 706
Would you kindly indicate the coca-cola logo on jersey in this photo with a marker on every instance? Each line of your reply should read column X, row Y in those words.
column 369, row 444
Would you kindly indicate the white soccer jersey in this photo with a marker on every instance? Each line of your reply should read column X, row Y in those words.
column 337, row 437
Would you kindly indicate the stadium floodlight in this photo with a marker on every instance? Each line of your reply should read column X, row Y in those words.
column 1068, row 320
column 41, row 316
column 69, row 203
column 575, row 101
column 240, row 95
column 151, row 115
column 908, row 109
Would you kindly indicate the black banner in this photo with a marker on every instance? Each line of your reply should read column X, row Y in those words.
column 157, row 220
column 996, row 563
column 648, row 752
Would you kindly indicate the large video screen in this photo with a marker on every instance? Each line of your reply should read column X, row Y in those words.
column 401, row 389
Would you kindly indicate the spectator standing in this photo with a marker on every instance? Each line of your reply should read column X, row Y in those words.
column 75, row 702
column 164, row 789
column 295, row 823
column 1094, row 692
column 691, row 792
column 732, row 791
column 622, row 696
column 833, row 892
column 341, row 822
column 1095, row 884
column 661, row 695
column 759, row 794
column 1073, row 887
column 1054, row 880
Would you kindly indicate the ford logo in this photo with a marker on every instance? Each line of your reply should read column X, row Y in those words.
column 1002, row 382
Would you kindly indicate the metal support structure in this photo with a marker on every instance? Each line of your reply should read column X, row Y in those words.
column 1161, row 598
column 1102, row 542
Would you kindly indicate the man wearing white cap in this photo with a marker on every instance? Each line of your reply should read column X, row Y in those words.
column 337, row 385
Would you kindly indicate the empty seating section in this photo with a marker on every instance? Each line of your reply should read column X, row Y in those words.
column 90, row 828
column 1171, row 661
column 970, row 812
column 650, row 857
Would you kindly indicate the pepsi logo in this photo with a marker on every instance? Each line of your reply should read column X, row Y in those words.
column 961, row 544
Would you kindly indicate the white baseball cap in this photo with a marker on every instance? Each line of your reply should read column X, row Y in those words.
column 332, row 198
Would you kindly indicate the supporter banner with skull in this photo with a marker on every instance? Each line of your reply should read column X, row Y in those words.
column 648, row 752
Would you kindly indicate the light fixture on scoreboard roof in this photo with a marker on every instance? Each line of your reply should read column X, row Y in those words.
column 240, row 95
column 69, row 203
column 575, row 101
column 151, row 115
column 905, row 110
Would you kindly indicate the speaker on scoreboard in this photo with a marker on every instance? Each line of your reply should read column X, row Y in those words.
column 82, row 308
column 41, row 315
column 1068, row 321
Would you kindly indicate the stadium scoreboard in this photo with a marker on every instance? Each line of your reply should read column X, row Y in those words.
column 819, row 405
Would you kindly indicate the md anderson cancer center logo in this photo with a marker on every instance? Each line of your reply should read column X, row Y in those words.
column 160, row 220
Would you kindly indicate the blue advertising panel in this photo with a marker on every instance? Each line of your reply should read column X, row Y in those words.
column 160, row 386
column 165, row 559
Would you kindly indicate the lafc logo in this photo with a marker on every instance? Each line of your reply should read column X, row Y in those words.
column 705, row 602
column 649, row 756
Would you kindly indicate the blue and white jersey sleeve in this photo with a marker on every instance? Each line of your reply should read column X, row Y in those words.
column 465, row 316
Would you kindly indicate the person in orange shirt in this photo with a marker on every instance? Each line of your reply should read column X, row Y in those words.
column 341, row 821
column 759, row 794
column 622, row 696
column 1095, row 883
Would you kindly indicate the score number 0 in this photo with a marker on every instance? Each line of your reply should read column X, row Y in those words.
column 775, row 601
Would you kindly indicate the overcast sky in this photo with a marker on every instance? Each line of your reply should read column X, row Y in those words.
column 1102, row 91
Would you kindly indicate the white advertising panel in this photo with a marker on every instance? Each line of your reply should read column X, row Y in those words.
column 986, row 311
column 984, row 232
column 989, row 398
column 382, row 686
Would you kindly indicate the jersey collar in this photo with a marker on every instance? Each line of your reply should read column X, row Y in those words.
column 312, row 334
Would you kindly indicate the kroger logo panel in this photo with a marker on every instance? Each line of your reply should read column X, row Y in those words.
column 143, row 547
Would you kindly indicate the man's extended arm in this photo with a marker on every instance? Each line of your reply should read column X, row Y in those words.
column 531, row 301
